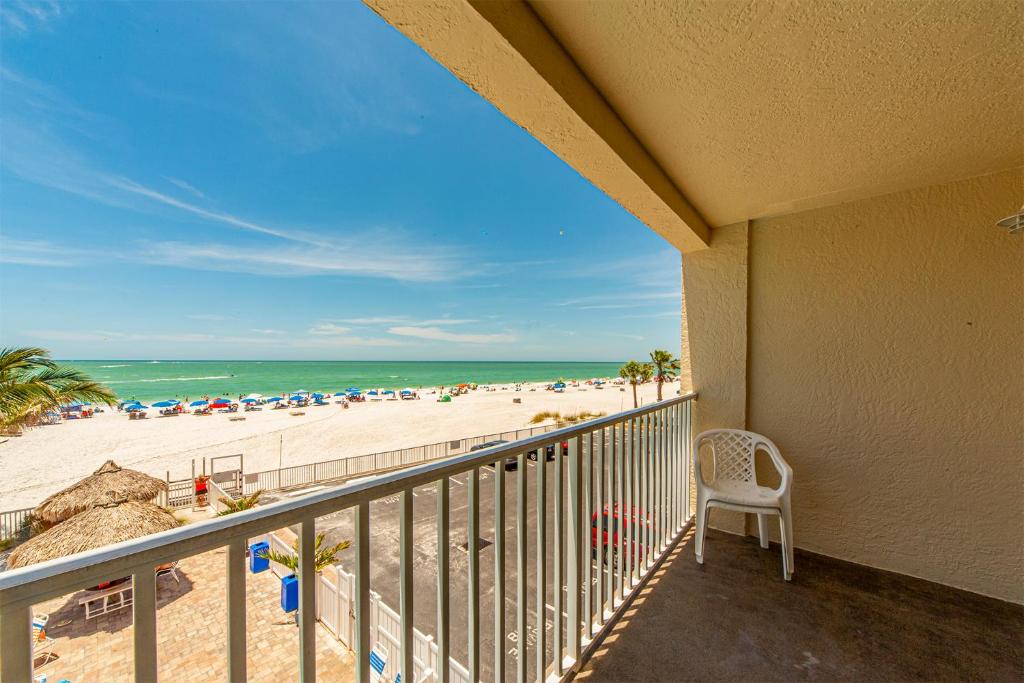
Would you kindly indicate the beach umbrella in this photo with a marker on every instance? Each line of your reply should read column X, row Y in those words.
column 108, row 480
column 407, row 390
column 371, row 392
column 197, row 404
column 354, row 392
column 274, row 399
column 135, row 407
column 221, row 400
column 389, row 391
column 339, row 393
column 165, row 404
column 113, row 521
column 353, row 389
column 559, row 385
column 300, row 391
column 248, row 400
column 296, row 397
column 318, row 395
column 255, row 396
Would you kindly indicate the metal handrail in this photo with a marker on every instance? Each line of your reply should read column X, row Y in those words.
column 653, row 438
column 103, row 563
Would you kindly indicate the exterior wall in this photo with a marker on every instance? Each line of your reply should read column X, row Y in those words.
column 714, row 338
column 886, row 360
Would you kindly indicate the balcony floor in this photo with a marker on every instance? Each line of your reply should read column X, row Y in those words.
column 736, row 619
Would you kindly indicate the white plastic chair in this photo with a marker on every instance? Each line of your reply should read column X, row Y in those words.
column 734, row 487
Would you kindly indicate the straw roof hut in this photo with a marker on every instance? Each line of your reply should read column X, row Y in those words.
column 106, row 523
column 106, row 483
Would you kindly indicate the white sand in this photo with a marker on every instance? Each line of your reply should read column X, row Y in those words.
column 47, row 459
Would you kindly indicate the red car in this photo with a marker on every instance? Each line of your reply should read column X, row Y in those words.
column 638, row 522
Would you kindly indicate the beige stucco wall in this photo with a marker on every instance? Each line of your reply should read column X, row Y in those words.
column 714, row 339
column 886, row 360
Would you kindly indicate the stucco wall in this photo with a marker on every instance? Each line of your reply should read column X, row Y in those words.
column 714, row 339
column 886, row 360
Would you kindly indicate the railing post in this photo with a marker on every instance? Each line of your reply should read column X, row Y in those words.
column 521, row 568
column 406, row 587
column 542, row 500
column 602, row 524
column 362, row 597
column 443, row 603
column 588, row 535
column 143, row 623
column 624, row 512
column 559, row 572
column 16, row 641
column 473, row 548
column 236, row 610
column 499, row 571
column 608, row 442
column 575, row 558
column 307, row 601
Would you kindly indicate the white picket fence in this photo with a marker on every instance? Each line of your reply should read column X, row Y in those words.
column 335, row 609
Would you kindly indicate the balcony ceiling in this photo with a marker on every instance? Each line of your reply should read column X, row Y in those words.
column 763, row 108
column 693, row 113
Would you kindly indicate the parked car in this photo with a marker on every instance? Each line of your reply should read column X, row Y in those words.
column 511, row 462
column 549, row 451
column 638, row 522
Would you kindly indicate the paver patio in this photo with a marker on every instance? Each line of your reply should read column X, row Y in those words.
column 191, row 632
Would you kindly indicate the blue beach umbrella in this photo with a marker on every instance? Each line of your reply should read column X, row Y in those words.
column 165, row 404
column 318, row 395
column 339, row 393
column 274, row 399
column 355, row 392
column 197, row 404
column 559, row 385
column 353, row 389
column 136, row 406
column 296, row 397
column 389, row 392
column 248, row 400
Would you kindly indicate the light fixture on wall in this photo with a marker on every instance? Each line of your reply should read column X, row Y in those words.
column 1014, row 223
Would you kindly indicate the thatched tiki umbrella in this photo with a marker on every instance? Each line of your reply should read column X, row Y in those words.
column 106, row 523
column 109, row 482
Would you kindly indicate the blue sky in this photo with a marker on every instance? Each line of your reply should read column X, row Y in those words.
column 293, row 181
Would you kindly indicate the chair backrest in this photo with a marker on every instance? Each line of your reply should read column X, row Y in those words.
column 378, row 660
column 733, row 453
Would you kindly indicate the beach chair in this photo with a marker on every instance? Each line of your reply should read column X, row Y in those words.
column 42, row 645
column 378, row 662
column 170, row 569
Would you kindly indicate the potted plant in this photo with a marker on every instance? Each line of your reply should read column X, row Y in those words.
column 323, row 557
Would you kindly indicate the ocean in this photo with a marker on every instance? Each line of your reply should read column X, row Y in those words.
column 159, row 379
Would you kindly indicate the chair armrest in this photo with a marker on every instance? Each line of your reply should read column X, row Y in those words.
column 780, row 464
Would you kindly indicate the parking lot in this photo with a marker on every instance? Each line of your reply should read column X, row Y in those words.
column 385, row 566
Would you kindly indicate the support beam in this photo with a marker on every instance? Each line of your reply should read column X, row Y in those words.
column 502, row 50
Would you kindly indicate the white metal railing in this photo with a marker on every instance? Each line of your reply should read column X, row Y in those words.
column 12, row 523
column 637, row 461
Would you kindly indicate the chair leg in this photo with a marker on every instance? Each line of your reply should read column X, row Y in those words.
column 786, row 527
column 762, row 530
column 698, row 541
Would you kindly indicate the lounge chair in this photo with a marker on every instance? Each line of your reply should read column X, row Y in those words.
column 42, row 645
column 170, row 569
column 378, row 662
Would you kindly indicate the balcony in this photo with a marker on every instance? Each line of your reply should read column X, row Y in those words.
column 735, row 619
column 544, row 560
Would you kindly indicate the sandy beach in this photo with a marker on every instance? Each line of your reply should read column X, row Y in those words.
column 48, row 458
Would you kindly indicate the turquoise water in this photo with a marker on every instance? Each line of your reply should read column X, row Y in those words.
column 156, row 380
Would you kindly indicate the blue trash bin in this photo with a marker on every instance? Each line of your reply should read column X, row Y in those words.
column 258, row 563
column 290, row 593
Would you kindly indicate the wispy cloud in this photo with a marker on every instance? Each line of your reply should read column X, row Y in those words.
column 437, row 334
column 373, row 321
column 404, row 320
column 328, row 329
column 262, row 330
column 215, row 317
column 408, row 262
column 185, row 186
column 623, row 300
column 21, row 16
column 36, row 253
column 143, row 191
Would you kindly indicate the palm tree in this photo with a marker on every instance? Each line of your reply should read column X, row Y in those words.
column 665, row 367
column 243, row 503
column 31, row 384
column 322, row 557
column 636, row 373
